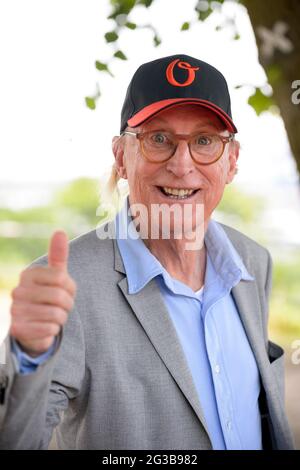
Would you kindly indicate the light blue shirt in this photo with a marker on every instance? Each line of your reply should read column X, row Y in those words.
column 26, row 363
column 210, row 331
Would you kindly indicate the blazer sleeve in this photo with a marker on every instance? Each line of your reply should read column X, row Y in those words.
column 266, row 289
column 33, row 402
column 268, row 284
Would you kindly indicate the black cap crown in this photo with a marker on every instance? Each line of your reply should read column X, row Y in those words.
column 175, row 79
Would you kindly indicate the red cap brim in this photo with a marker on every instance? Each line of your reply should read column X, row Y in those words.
column 154, row 108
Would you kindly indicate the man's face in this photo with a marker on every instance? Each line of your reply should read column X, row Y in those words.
column 146, row 179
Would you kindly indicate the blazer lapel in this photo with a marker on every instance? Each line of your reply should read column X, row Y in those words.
column 247, row 302
column 151, row 312
column 246, row 298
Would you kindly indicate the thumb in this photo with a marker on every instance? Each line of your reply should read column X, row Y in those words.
column 58, row 250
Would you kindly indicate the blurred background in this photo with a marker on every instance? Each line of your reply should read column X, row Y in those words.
column 65, row 69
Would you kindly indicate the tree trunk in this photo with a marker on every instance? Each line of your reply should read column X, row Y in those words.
column 286, row 65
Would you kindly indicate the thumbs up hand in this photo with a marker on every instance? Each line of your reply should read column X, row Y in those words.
column 43, row 299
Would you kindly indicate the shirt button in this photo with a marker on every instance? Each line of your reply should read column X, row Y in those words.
column 228, row 425
column 217, row 369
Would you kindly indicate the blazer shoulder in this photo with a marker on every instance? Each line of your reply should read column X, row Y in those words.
column 246, row 246
column 86, row 248
column 92, row 243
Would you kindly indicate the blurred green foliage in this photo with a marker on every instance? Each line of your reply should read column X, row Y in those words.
column 25, row 234
column 285, row 302
column 81, row 197
column 239, row 206
column 261, row 102
column 73, row 209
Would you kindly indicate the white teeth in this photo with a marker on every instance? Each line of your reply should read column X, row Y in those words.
column 178, row 192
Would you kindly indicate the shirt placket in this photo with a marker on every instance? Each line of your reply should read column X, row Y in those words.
column 221, row 384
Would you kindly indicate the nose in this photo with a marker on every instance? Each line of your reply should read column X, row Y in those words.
column 181, row 163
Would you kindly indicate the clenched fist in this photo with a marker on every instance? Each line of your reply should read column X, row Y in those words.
column 42, row 299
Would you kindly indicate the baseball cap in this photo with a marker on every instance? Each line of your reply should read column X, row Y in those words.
column 169, row 81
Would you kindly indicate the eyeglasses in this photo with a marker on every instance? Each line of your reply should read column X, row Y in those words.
column 159, row 146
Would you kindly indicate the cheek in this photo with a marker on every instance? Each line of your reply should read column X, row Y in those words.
column 141, row 177
column 217, row 174
column 216, row 178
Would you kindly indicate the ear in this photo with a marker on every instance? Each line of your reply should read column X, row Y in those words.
column 233, row 155
column 118, row 147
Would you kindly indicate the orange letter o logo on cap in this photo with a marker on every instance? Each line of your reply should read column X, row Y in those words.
column 182, row 65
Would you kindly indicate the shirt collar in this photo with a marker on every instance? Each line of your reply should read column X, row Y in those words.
column 141, row 265
column 224, row 257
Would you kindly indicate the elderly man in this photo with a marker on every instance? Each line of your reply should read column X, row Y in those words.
column 166, row 344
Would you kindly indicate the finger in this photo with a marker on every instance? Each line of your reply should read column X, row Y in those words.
column 26, row 331
column 29, row 312
column 37, row 347
column 48, row 276
column 58, row 250
column 44, row 295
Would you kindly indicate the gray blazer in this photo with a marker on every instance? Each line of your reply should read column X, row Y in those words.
column 119, row 378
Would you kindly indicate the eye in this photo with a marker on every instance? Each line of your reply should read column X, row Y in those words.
column 158, row 138
column 202, row 140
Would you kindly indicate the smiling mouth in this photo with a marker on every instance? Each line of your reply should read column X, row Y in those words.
column 177, row 193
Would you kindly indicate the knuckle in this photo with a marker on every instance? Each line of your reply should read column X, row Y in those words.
column 54, row 329
column 54, row 313
column 23, row 275
column 59, row 315
column 29, row 272
column 65, row 300
column 71, row 302
column 58, row 296
column 73, row 284
column 15, row 293
column 60, row 277
column 17, row 329
column 14, row 309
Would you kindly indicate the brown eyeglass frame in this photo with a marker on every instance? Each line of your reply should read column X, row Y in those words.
column 187, row 138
